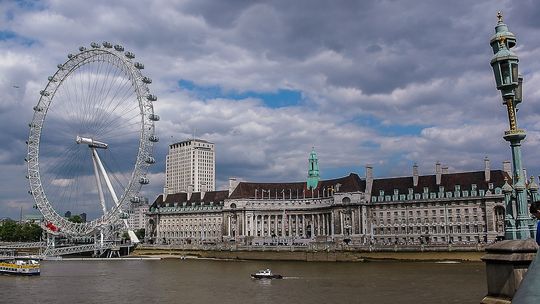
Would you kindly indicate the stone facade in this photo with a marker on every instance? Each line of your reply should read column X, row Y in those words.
column 464, row 208
column 137, row 215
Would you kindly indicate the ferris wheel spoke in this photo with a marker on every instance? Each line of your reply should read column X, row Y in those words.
column 98, row 101
column 90, row 106
column 108, row 110
column 113, row 125
column 61, row 178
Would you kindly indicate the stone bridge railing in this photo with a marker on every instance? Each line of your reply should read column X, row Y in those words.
column 529, row 290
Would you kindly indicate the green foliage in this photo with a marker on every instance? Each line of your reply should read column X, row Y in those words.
column 140, row 233
column 11, row 231
column 75, row 219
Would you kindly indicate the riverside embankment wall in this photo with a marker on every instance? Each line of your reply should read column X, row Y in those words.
column 322, row 256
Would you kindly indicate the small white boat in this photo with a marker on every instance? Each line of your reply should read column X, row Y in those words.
column 20, row 267
column 266, row 274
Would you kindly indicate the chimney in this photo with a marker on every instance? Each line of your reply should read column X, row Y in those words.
column 203, row 191
column 189, row 191
column 445, row 170
column 415, row 175
column 369, row 178
column 525, row 176
column 165, row 193
column 507, row 167
column 487, row 170
column 438, row 173
column 233, row 183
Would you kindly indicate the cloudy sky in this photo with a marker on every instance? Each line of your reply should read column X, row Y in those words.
column 387, row 83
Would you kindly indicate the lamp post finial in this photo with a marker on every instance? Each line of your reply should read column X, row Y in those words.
column 500, row 16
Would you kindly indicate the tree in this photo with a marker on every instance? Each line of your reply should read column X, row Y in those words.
column 11, row 231
column 75, row 219
column 8, row 231
column 140, row 233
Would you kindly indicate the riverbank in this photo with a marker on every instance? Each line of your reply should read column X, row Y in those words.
column 321, row 256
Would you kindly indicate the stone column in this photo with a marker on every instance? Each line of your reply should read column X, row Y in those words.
column 360, row 226
column 296, row 226
column 323, row 216
column 268, row 225
column 313, row 228
column 289, row 225
column 319, row 223
column 283, row 224
column 276, row 224
column 253, row 222
column 332, row 224
column 341, row 222
column 304, row 235
column 229, row 225
column 506, row 265
column 353, row 226
column 244, row 222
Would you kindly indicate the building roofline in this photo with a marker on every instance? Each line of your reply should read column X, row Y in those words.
column 191, row 139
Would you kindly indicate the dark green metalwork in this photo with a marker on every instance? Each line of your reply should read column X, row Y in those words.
column 508, row 80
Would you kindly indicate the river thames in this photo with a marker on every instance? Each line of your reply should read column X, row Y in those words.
column 224, row 282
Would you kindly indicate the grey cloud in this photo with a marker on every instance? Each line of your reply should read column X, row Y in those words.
column 420, row 64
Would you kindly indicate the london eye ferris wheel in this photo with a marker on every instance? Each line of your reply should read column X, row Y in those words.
column 91, row 140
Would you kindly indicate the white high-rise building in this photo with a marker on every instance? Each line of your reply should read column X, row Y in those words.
column 191, row 167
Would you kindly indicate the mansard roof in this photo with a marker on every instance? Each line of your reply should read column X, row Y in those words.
column 449, row 180
column 351, row 183
column 182, row 197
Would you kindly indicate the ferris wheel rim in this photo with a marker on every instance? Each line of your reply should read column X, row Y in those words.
column 146, row 136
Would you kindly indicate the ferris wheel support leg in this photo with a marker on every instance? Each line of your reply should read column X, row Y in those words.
column 95, row 156
column 105, row 175
column 98, row 181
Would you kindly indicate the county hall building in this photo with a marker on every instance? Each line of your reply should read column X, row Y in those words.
column 439, row 209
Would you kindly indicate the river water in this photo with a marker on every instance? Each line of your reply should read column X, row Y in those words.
column 224, row 282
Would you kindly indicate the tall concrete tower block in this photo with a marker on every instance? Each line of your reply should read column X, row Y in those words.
column 191, row 167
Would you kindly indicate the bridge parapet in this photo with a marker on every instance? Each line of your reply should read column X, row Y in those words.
column 529, row 291
column 506, row 266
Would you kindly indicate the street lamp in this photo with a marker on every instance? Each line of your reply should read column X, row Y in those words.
column 509, row 82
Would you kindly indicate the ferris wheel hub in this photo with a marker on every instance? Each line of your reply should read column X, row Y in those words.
column 91, row 142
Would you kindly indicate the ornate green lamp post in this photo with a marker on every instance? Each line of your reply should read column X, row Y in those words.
column 505, row 68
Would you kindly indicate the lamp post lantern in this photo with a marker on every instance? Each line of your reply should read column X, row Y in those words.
column 508, row 81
